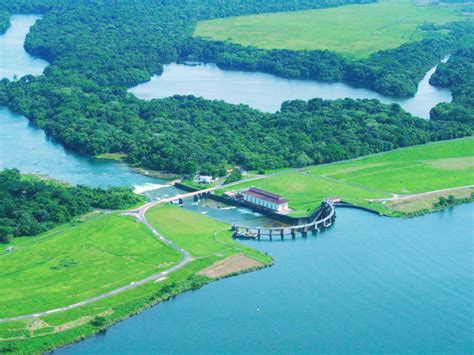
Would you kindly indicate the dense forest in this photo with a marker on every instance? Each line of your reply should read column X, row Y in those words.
column 182, row 133
column 457, row 75
column 30, row 205
column 394, row 72
column 98, row 49
column 4, row 21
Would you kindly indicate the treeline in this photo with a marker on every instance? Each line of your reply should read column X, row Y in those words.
column 125, row 43
column 4, row 21
column 314, row 64
column 98, row 49
column 457, row 75
column 30, row 205
column 183, row 133
column 397, row 72
column 394, row 72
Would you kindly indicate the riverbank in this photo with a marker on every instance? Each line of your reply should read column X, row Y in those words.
column 401, row 183
column 215, row 246
column 383, row 281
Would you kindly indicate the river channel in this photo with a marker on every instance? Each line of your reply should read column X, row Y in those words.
column 369, row 284
column 267, row 92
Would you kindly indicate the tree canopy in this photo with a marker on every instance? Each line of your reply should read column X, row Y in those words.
column 97, row 49
column 30, row 205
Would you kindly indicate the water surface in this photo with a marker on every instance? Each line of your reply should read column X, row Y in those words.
column 27, row 148
column 14, row 60
column 267, row 92
column 369, row 284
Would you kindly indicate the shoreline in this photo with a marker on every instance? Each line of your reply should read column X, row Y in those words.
column 155, row 302
column 147, row 299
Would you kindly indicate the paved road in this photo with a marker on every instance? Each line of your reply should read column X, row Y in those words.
column 397, row 197
column 140, row 215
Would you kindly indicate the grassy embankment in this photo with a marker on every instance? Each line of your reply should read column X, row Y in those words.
column 112, row 156
column 75, row 262
column 352, row 30
column 402, row 172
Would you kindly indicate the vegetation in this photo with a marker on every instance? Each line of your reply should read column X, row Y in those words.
column 81, row 100
column 351, row 30
column 368, row 181
column 452, row 201
column 4, row 21
column 201, row 236
column 427, row 203
column 234, row 176
column 30, row 205
column 393, row 72
column 130, row 249
column 457, row 75
column 180, row 134
column 77, row 261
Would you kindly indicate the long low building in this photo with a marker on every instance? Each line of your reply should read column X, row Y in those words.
column 265, row 199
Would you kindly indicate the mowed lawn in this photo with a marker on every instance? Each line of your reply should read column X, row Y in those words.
column 405, row 171
column 411, row 170
column 201, row 236
column 74, row 262
column 352, row 30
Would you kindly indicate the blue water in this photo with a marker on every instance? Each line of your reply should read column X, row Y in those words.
column 369, row 284
column 267, row 92
column 14, row 60
column 27, row 148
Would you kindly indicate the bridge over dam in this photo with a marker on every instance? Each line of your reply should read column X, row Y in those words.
column 323, row 218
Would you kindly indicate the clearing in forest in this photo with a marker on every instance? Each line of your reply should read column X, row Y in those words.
column 352, row 30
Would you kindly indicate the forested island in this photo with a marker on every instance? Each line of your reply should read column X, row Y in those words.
column 82, row 98
column 32, row 205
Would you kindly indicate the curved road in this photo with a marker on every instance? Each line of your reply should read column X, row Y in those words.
column 140, row 215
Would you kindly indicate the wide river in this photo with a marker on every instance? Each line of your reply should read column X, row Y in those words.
column 369, row 284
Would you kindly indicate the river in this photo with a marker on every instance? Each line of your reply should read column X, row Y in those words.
column 267, row 92
column 27, row 148
column 14, row 60
column 368, row 284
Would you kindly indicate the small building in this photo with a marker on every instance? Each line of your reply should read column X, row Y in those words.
column 230, row 194
column 206, row 179
column 265, row 199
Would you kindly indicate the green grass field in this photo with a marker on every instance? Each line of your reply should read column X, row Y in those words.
column 75, row 262
column 352, row 30
column 405, row 171
column 201, row 236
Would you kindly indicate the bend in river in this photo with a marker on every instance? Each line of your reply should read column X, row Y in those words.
column 387, row 286
column 267, row 92
column 27, row 148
